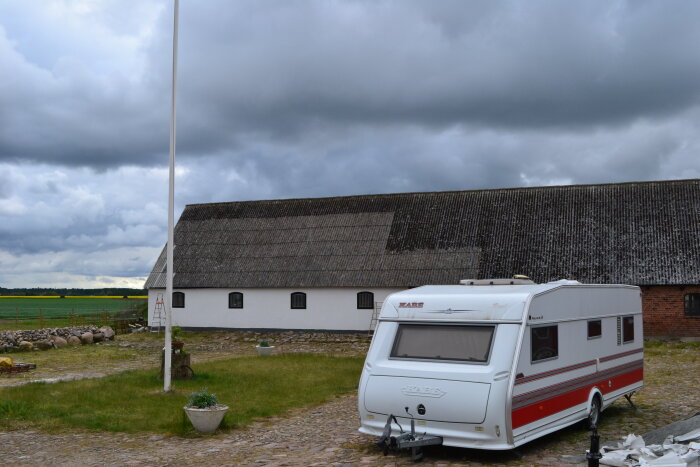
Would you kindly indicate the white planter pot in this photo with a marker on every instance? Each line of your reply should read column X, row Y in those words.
column 265, row 350
column 206, row 420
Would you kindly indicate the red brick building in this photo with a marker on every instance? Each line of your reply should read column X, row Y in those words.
column 671, row 310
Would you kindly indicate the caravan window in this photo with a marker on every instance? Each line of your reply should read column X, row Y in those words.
column 595, row 329
column 443, row 342
column 628, row 329
column 544, row 341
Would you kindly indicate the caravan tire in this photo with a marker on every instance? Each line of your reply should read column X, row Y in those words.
column 594, row 414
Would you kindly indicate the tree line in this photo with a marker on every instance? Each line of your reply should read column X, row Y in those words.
column 41, row 291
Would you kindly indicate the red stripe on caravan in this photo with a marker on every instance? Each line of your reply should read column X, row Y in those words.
column 547, row 392
column 531, row 413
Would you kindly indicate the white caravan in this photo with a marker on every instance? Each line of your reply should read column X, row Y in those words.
column 493, row 364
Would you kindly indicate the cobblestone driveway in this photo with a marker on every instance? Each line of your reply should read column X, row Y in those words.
column 327, row 435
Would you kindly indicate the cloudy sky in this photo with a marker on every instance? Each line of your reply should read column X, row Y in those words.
column 288, row 98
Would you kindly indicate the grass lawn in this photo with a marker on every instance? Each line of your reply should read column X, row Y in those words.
column 133, row 401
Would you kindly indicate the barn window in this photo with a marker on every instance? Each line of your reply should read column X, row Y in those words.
column 235, row 300
column 544, row 342
column 595, row 329
column 178, row 300
column 365, row 301
column 627, row 329
column 298, row 301
column 692, row 304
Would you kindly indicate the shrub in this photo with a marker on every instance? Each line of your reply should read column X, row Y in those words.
column 202, row 399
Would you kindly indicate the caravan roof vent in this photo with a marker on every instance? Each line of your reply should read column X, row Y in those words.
column 516, row 280
column 565, row 282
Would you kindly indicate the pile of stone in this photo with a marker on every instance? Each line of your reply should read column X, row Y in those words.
column 52, row 338
column 305, row 336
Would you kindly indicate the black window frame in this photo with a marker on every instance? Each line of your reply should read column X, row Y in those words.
column 178, row 300
column 627, row 328
column 691, row 304
column 365, row 300
column 553, row 353
column 300, row 297
column 599, row 326
column 235, row 300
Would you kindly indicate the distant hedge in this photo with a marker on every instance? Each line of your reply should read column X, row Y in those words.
column 38, row 292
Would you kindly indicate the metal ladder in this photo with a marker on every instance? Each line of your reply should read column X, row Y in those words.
column 375, row 317
column 158, row 314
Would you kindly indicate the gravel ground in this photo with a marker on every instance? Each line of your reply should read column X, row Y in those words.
column 327, row 434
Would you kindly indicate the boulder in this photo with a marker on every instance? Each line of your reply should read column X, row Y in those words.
column 59, row 341
column 44, row 344
column 98, row 337
column 25, row 345
column 74, row 340
column 86, row 338
column 108, row 332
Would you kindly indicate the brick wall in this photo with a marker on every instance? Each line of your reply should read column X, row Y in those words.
column 664, row 314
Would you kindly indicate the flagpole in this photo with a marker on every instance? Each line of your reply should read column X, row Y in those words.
column 171, row 220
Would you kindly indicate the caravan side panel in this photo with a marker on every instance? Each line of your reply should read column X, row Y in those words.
column 596, row 348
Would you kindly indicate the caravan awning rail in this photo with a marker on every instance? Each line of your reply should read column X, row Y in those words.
column 454, row 321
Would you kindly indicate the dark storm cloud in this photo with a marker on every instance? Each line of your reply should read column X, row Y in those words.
column 69, row 99
column 410, row 159
column 278, row 69
column 287, row 66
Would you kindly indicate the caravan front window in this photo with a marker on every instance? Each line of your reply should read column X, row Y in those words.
column 443, row 342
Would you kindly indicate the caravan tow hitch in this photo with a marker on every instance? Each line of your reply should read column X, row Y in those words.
column 406, row 440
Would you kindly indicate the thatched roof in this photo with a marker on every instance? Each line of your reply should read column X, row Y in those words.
column 634, row 233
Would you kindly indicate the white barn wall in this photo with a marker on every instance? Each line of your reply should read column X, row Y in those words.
column 326, row 308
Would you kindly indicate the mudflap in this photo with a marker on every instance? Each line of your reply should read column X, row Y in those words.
column 406, row 440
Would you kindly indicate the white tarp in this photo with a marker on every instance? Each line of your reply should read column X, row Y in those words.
column 633, row 452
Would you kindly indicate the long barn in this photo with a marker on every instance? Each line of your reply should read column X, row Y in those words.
column 323, row 263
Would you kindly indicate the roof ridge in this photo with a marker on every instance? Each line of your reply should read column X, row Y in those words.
column 482, row 190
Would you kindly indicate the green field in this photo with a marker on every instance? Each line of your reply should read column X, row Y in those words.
column 53, row 307
column 40, row 312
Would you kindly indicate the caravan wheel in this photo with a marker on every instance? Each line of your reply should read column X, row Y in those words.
column 594, row 414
